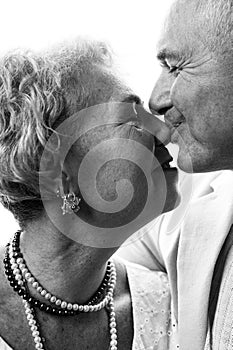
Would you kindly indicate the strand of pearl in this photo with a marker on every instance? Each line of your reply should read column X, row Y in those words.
column 33, row 325
column 22, row 275
column 112, row 325
column 66, row 304
column 32, row 320
column 53, row 298
column 37, row 336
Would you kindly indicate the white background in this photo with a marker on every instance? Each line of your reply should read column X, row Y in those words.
column 131, row 27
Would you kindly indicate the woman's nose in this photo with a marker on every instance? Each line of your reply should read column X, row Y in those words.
column 154, row 125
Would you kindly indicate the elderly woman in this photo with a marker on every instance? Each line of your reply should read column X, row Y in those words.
column 66, row 119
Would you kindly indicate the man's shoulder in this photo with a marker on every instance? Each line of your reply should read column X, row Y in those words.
column 223, row 321
column 146, row 280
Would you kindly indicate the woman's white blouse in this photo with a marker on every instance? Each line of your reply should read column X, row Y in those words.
column 154, row 325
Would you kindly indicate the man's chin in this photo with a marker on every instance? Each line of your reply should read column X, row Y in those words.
column 194, row 166
column 198, row 161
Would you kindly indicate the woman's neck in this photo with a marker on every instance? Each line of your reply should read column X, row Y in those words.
column 71, row 271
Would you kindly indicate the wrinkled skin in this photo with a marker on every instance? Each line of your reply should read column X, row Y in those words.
column 195, row 92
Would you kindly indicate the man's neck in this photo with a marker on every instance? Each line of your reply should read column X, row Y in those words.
column 71, row 271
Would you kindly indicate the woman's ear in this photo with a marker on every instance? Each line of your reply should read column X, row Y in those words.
column 69, row 176
column 55, row 178
column 65, row 183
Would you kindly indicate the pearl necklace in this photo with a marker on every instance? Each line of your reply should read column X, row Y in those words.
column 38, row 338
column 14, row 265
column 17, row 272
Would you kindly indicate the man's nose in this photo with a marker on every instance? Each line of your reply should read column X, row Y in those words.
column 160, row 101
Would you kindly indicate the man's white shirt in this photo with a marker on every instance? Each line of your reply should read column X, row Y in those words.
column 186, row 243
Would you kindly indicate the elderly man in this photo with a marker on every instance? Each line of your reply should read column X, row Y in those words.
column 195, row 94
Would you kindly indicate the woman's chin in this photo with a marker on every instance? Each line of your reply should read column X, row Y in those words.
column 173, row 196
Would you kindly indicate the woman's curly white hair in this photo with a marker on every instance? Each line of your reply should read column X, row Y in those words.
column 37, row 91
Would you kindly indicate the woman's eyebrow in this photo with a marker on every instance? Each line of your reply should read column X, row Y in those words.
column 132, row 98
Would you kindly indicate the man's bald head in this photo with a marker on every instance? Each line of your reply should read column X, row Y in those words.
column 213, row 19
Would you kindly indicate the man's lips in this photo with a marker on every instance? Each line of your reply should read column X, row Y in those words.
column 177, row 132
column 173, row 119
column 175, row 128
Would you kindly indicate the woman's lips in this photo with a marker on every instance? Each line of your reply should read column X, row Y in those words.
column 163, row 156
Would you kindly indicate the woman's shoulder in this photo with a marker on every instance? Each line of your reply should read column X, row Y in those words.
column 5, row 297
column 6, row 293
column 4, row 287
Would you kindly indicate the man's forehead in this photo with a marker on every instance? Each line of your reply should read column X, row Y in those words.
column 179, row 32
column 182, row 14
column 179, row 6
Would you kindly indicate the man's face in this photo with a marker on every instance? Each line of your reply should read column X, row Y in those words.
column 195, row 93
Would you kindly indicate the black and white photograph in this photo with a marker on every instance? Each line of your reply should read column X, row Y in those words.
column 116, row 175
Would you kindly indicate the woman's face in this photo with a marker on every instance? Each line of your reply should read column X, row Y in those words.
column 120, row 166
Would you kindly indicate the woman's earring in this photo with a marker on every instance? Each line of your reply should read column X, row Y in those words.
column 70, row 203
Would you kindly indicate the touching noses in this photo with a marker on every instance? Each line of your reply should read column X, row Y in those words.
column 154, row 126
column 160, row 101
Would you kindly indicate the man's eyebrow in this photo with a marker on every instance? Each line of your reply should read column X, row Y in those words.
column 132, row 98
column 168, row 54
